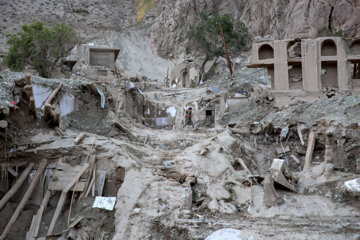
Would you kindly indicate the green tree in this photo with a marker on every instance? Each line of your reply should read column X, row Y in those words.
column 40, row 48
column 206, row 36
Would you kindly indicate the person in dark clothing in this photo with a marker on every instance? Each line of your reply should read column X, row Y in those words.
column 188, row 118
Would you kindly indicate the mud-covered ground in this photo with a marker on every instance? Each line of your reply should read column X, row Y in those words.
column 184, row 183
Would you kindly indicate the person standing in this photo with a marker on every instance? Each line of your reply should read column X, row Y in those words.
column 188, row 118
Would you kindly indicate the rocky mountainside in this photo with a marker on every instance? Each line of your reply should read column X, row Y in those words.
column 279, row 18
column 167, row 21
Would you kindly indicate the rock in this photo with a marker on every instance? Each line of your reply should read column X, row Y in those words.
column 137, row 210
column 271, row 197
column 213, row 206
column 217, row 191
column 353, row 186
column 226, row 207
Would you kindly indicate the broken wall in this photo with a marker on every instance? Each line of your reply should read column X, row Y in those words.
column 159, row 115
column 184, row 75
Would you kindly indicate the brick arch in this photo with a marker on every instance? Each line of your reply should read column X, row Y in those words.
column 266, row 52
column 328, row 48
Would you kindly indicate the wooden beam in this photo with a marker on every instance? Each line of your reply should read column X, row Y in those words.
column 58, row 209
column 90, row 186
column 300, row 134
column 309, row 151
column 28, row 78
column 121, row 127
column 52, row 95
column 41, row 212
column 33, row 106
column 24, row 199
column 17, row 185
column 79, row 138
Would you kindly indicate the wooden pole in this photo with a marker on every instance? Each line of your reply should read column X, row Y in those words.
column 226, row 51
column 41, row 211
column 24, row 199
column 28, row 78
column 53, row 94
column 79, row 138
column 17, row 185
column 3, row 124
column 93, row 186
column 57, row 212
column 309, row 151
column 6, row 111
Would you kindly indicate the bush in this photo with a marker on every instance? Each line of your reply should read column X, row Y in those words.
column 40, row 48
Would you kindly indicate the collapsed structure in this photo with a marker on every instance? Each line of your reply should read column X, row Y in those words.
column 93, row 60
column 310, row 64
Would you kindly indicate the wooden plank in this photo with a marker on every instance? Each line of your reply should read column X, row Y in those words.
column 71, row 201
column 74, row 223
column 300, row 134
column 58, row 209
column 309, row 150
column 92, row 162
column 76, row 178
column 24, row 199
column 63, row 175
column 90, row 150
column 29, row 234
column 90, row 186
column 41, row 212
column 63, row 197
column 17, row 185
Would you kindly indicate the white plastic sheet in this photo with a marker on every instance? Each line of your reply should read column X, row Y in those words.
column 40, row 94
column 226, row 234
column 107, row 203
column 67, row 104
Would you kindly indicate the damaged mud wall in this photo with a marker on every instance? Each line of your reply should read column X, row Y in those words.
column 342, row 148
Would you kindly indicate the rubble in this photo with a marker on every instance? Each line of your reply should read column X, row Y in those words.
column 260, row 164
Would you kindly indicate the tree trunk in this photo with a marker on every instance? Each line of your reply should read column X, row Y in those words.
column 202, row 68
column 211, row 68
